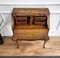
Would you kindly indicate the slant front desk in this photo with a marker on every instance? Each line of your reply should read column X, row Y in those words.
column 30, row 24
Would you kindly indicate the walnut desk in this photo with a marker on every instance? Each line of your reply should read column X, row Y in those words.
column 30, row 24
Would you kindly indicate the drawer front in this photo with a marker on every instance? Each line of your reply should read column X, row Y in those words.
column 20, row 20
column 30, row 34
column 40, row 20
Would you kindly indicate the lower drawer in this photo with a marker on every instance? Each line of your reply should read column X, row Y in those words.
column 30, row 34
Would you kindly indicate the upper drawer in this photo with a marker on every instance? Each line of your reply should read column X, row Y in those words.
column 20, row 20
column 40, row 18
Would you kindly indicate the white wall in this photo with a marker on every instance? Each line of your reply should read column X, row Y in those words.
column 6, row 27
column 53, row 5
column 29, row 1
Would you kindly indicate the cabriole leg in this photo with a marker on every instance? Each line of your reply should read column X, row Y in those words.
column 17, row 43
column 44, row 44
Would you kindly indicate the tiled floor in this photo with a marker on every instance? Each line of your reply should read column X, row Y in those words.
column 30, row 48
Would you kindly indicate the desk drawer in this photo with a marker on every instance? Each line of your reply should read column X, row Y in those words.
column 20, row 20
column 40, row 20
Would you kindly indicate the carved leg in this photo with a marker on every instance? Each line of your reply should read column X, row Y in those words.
column 44, row 44
column 12, row 38
column 17, row 43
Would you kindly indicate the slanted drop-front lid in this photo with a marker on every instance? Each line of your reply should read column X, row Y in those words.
column 31, row 11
